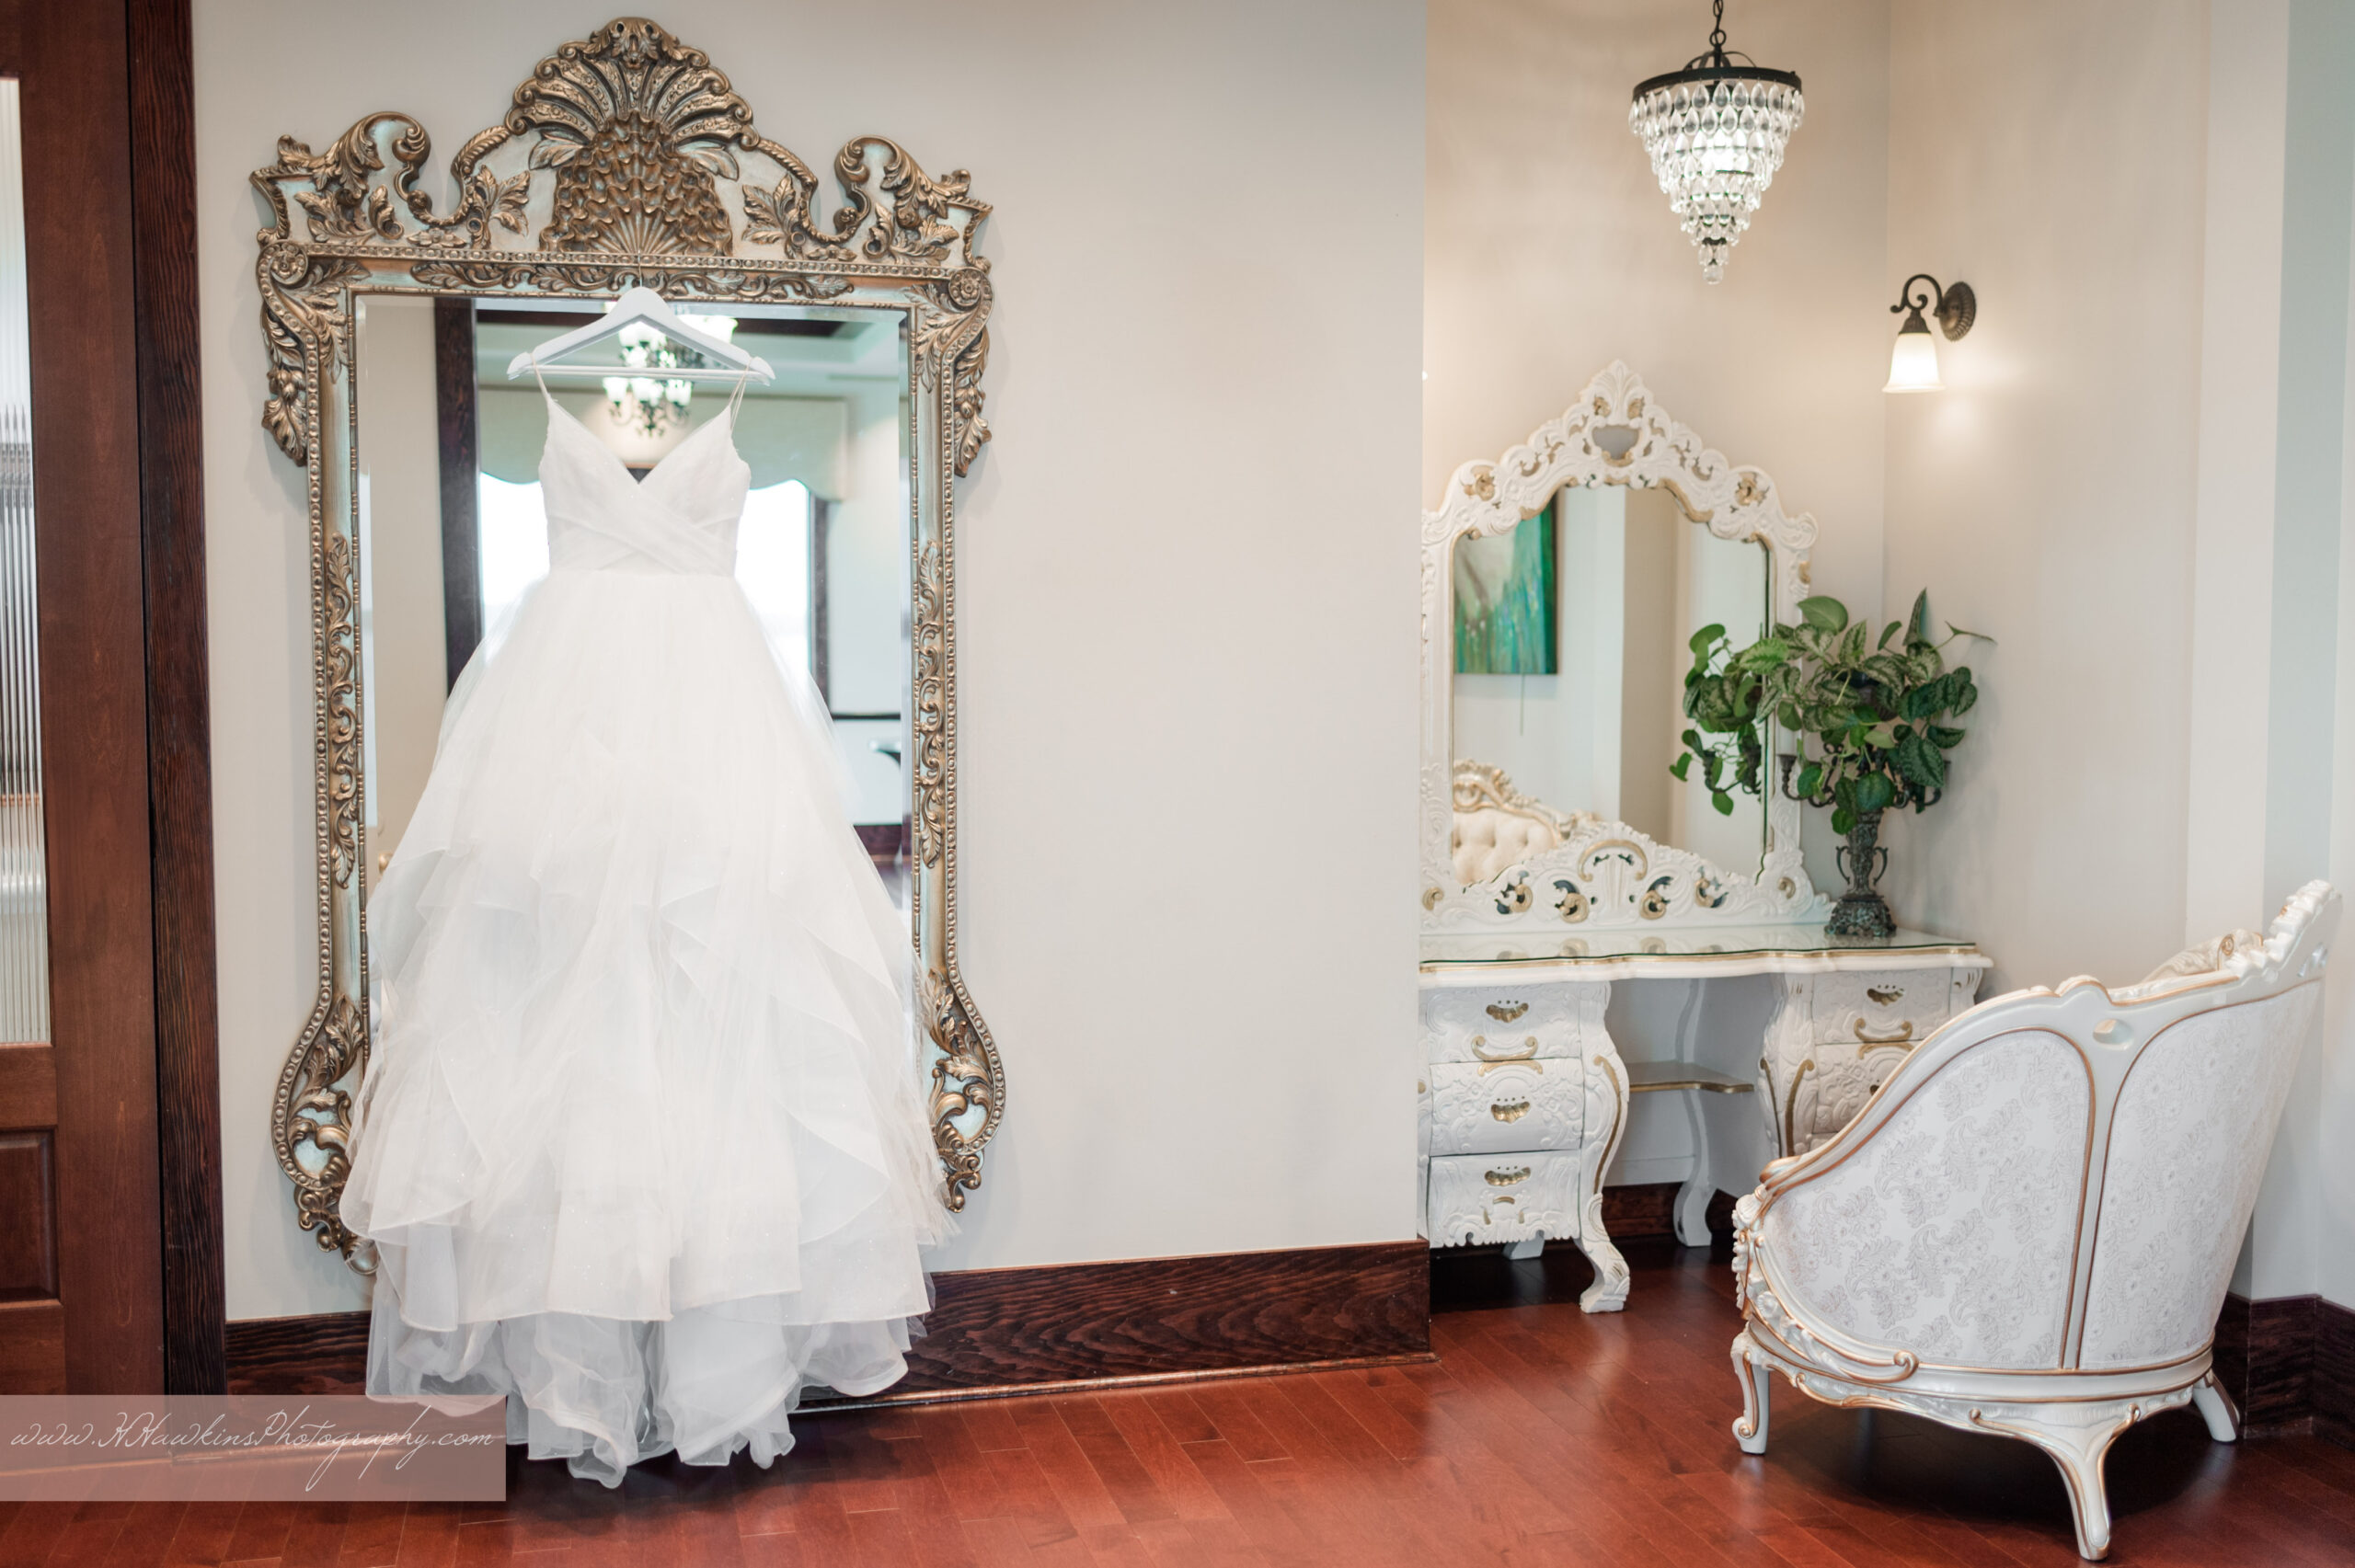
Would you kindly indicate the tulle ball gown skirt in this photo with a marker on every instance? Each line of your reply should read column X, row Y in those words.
column 641, row 1144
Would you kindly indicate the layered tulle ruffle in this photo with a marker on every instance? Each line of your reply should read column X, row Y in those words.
column 641, row 1140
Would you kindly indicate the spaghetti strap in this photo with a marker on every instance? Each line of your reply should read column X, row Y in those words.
column 737, row 397
column 541, row 379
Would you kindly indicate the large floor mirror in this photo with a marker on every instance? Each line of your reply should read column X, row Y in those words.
column 393, row 305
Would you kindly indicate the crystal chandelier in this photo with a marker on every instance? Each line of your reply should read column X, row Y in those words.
column 1715, row 131
column 651, row 402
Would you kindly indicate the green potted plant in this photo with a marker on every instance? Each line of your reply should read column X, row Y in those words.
column 1871, row 722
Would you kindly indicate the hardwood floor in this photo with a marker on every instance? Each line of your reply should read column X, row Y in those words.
column 1541, row 1437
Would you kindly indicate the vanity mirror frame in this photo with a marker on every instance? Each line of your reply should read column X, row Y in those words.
column 1604, row 873
column 723, row 216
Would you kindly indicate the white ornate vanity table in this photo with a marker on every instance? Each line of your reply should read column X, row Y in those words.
column 1532, row 911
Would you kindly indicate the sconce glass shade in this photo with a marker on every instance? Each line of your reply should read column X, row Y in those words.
column 1913, row 363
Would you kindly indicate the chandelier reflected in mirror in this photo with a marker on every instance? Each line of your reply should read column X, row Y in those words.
column 1715, row 131
column 646, row 400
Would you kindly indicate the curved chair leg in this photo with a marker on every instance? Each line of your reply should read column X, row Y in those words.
column 2088, row 1498
column 1757, row 1393
column 2216, row 1409
column 2078, row 1451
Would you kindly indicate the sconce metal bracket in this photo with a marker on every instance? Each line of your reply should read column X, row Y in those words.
column 1956, row 308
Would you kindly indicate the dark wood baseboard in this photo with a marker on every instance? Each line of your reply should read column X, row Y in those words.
column 1649, row 1209
column 1018, row 1329
column 324, row 1353
column 2334, row 1373
column 2289, row 1364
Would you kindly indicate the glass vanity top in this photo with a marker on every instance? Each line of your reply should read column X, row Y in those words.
column 1689, row 950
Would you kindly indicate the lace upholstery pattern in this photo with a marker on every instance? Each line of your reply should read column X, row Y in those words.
column 2188, row 1148
column 1950, row 1233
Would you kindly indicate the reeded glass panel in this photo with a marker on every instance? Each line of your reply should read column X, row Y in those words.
column 24, row 882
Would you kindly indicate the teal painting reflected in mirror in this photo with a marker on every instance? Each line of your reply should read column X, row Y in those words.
column 1505, row 614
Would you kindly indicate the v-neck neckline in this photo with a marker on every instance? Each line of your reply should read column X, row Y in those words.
column 727, row 415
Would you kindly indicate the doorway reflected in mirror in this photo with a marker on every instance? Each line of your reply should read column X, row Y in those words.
column 1626, row 578
column 823, row 548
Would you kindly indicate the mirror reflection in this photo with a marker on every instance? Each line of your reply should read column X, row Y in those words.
column 453, row 532
column 1570, row 645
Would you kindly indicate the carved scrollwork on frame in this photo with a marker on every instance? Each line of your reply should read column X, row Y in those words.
column 312, row 1118
column 625, row 159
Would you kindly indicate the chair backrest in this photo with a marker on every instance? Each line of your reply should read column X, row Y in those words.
column 2059, row 1179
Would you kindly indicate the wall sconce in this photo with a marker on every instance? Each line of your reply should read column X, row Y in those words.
column 1913, row 363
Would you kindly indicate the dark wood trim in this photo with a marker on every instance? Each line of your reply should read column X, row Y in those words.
column 2334, row 1373
column 1021, row 1330
column 456, row 419
column 1227, row 1311
column 180, row 744
column 88, row 361
column 1649, row 1209
column 323, row 1354
column 2272, row 1360
column 28, row 1086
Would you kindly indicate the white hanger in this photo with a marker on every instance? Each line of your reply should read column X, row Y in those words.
column 637, row 305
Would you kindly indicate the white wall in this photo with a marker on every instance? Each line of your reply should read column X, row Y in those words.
column 1549, row 251
column 2047, row 496
column 2138, row 481
column 1202, row 491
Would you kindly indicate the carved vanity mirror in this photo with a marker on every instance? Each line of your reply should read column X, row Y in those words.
column 1562, row 583
column 392, row 311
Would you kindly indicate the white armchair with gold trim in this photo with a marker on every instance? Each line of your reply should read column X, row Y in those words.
column 2029, row 1229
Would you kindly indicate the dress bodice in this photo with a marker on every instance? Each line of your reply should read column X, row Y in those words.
column 681, row 518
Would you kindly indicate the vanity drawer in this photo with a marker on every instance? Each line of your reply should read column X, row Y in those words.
column 1894, row 1008
column 1534, row 1104
column 1518, row 1023
column 1502, row 1197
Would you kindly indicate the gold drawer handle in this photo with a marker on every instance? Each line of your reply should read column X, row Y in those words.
column 1480, row 1050
column 1507, row 1176
column 1509, row 1111
column 1864, row 1037
column 1886, row 996
column 1506, row 1012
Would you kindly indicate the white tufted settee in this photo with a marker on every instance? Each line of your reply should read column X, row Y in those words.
column 2029, row 1229
column 1497, row 827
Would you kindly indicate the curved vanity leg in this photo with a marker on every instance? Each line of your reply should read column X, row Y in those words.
column 1781, row 1064
column 1607, row 1120
column 2215, row 1407
column 1757, row 1390
column 1692, row 1197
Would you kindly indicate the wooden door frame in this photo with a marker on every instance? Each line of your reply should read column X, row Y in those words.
column 110, row 196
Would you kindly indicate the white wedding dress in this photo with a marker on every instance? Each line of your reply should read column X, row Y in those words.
column 641, row 1143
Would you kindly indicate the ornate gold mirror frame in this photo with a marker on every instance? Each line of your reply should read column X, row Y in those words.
column 1604, row 873
column 635, row 164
